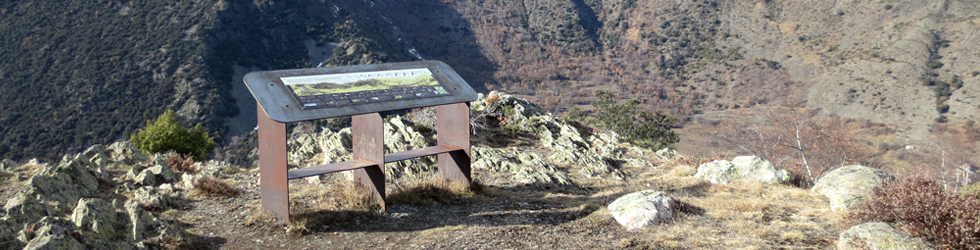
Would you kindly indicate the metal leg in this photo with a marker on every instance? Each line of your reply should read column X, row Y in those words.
column 368, row 143
column 272, row 166
column 453, row 129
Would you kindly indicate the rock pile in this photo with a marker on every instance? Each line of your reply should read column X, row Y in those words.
column 72, row 205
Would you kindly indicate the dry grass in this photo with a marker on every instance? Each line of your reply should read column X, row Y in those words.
column 741, row 215
column 208, row 186
column 432, row 191
column 332, row 201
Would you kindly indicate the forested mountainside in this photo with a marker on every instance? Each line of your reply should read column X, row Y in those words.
column 75, row 73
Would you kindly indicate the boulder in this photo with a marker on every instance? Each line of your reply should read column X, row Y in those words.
column 96, row 215
column 848, row 185
column 24, row 208
column 156, row 174
column 742, row 167
column 139, row 220
column 879, row 236
column 643, row 208
column 53, row 233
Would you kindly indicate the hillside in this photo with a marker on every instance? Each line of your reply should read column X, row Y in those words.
column 537, row 188
column 100, row 69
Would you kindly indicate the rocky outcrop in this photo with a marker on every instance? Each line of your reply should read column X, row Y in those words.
column 65, row 206
column 879, row 236
column 641, row 209
column 595, row 155
column 548, row 150
column 848, row 185
column 742, row 167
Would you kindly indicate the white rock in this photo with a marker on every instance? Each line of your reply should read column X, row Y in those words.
column 640, row 209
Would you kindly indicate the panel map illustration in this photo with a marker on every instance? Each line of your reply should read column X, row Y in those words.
column 334, row 90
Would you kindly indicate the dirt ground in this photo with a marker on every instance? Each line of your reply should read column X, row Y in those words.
column 742, row 215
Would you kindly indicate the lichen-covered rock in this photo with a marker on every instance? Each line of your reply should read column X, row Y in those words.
column 143, row 175
column 524, row 168
column 742, row 167
column 53, row 233
column 24, row 208
column 96, row 215
column 640, row 209
column 126, row 152
column 879, row 236
column 848, row 185
column 98, row 154
column 155, row 197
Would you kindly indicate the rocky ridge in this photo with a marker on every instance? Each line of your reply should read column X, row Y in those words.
column 512, row 137
column 90, row 201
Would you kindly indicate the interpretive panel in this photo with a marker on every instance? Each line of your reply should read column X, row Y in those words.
column 324, row 91
column 317, row 93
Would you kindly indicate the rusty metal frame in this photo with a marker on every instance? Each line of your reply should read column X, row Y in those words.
column 453, row 152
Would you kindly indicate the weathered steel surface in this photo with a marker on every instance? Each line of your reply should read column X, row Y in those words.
column 453, row 128
column 277, row 100
column 367, row 133
column 272, row 166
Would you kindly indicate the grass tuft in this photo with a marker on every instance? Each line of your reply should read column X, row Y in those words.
column 208, row 186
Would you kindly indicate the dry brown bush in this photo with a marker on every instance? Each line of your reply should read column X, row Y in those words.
column 922, row 207
column 181, row 163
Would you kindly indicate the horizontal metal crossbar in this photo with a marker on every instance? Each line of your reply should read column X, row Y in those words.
column 416, row 153
column 356, row 164
column 329, row 168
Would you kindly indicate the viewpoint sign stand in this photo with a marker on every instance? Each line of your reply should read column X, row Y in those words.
column 362, row 92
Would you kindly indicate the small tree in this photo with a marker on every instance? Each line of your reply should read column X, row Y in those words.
column 166, row 133
column 640, row 128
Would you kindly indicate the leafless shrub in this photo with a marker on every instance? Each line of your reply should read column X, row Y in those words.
column 923, row 207
column 798, row 140
column 181, row 163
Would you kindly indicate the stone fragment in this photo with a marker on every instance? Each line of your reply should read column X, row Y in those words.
column 879, row 236
column 848, row 185
column 643, row 208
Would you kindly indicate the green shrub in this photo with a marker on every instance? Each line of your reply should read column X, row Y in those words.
column 640, row 128
column 167, row 134
column 922, row 207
